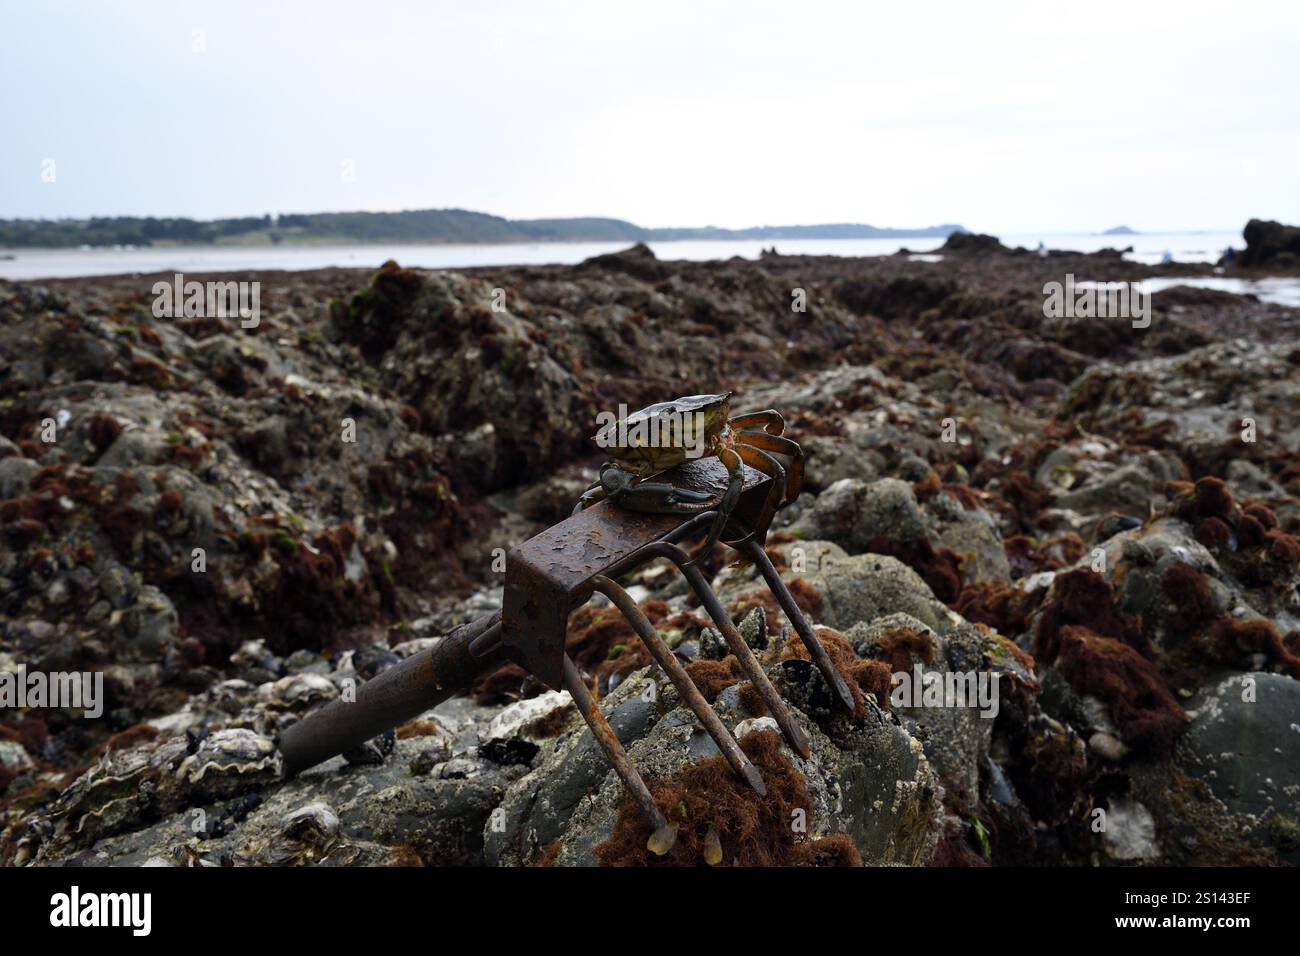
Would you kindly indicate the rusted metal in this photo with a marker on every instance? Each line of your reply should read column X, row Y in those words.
column 690, row 694
column 557, row 571
column 396, row 695
column 549, row 575
column 800, row 623
column 791, row 730
column 608, row 741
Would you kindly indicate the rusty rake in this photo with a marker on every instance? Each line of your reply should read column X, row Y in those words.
column 554, row 573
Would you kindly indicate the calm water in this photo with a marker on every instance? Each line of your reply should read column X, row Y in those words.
column 62, row 263
column 1283, row 291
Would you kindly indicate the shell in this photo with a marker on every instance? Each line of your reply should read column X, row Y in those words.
column 710, row 405
column 714, row 408
column 298, row 691
column 227, row 762
column 161, row 778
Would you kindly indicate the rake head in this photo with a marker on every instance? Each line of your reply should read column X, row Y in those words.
column 551, row 575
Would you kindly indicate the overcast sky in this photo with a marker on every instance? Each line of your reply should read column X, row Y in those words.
column 1005, row 118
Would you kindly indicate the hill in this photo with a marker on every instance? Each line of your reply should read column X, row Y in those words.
column 414, row 225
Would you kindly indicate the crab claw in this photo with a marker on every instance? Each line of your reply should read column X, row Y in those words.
column 659, row 496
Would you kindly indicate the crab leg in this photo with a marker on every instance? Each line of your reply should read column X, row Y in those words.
column 761, row 460
column 660, row 497
column 665, row 835
column 595, row 492
column 770, row 420
column 793, row 733
column 691, row 695
column 756, row 554
column 735, row 484
column 782, row 446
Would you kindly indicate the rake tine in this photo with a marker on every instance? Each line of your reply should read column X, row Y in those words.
column 756, row 554
column 691, row 695
column 794, row 734
column 665, row 835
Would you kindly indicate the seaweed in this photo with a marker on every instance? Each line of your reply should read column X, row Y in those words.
column 707, row 798
column 806, row 596
column 1189, row 596
column 998, row 606
column 1084, row 597
column 1146, row 713
column 1232, row 640
column 1212, row 532
column 713, row 677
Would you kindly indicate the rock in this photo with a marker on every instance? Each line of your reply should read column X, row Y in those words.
column 864, row 587
column 886, row 813
column 1139, row 563
column 1269, row 245
column 753, row 628
column 151, row 626
column 957, row 732
column 550, row 501
column 853, row 513
column 135, row 447
column 15, row 474
column 973, row 534
column 848, row 588
column 517, row 732
column 1107, row 746
column 832, row 460
column 1183, row 396
column 755, row 725
column 117, row 586
column 128, row 787
column 1093, row 477
column 904, row 297
column 537, row 808
column 638, row 260
column 14, row 757
column 202, row 534
column 871, row 516
column 356, row 816
column 972, row 244
column 1130, row 832
column 1244, row 742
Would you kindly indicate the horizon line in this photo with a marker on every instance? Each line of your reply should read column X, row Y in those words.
column 1044, row 231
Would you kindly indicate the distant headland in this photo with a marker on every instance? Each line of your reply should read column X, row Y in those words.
column 416, row 225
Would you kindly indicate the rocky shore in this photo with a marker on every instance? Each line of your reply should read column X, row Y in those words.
column 233, row 524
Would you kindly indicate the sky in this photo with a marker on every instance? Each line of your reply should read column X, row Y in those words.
column 1012, row 117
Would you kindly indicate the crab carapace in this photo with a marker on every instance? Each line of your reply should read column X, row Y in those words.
column 663, row 435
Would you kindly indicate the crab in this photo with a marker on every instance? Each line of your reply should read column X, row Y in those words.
column 563, row 567
column 663, row 435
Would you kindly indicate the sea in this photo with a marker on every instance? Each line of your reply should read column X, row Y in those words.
column 1150, row 248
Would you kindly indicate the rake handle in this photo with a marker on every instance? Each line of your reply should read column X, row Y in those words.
column 396, row 695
